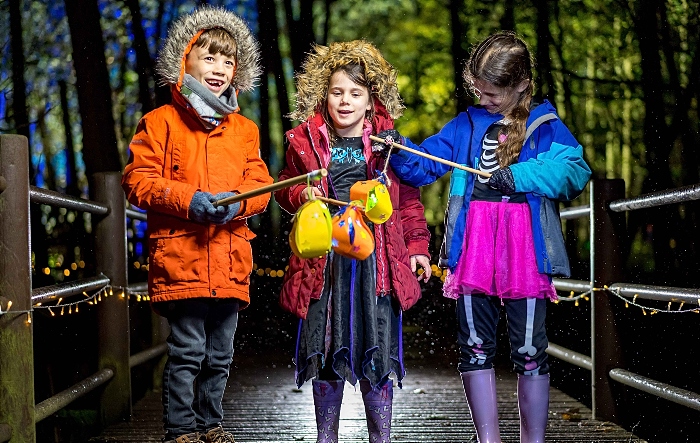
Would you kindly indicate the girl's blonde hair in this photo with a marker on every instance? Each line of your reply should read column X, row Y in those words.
column 503, row 59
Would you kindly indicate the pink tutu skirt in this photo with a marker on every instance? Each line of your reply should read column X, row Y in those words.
column 498, row 255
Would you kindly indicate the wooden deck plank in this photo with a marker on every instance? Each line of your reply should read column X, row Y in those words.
column 262, row 405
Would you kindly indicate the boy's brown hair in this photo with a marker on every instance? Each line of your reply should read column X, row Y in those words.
column 218, row 41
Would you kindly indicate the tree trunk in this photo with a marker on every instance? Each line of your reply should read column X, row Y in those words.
column 301, row 30
column 100, row 150
column 162, row 92
column 326, row 21
column 21, row 120
column 144, row 63
column 656, row 134
column 544, row 61
column 272, row 61
column 72, row 186
column 459, row 54
column 19, row 94
column 508, row 18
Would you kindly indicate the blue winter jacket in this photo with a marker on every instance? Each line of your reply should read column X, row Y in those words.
column 550, row 169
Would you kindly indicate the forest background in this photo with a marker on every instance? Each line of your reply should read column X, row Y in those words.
column 77, row 75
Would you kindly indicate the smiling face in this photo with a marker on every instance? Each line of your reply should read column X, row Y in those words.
column 214, row 71
column 347, row 104
column 495, row 99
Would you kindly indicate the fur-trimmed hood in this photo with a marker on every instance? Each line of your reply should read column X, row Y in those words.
column 184, row 32
column 312, row 82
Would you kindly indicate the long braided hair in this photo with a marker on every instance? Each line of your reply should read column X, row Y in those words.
column 503, row 59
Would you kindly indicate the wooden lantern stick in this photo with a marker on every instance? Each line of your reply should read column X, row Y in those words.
column 432, row 157
column 311, row 176
column 335, row 202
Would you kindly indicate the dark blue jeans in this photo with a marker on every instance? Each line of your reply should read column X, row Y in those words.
column 200, row 350
column 478, row 316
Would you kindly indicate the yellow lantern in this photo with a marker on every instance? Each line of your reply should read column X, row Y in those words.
column 375, row 197
column 351, row 236
column 311, row 233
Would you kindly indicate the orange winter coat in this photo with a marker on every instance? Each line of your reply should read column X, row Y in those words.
column 172, row 157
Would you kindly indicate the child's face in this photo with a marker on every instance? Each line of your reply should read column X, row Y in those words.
column 495, row 99
column 215, row 71
column 347, row 104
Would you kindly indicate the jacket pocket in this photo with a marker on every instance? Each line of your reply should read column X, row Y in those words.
column 241, row 254
column 174, row 255
column 555, row 245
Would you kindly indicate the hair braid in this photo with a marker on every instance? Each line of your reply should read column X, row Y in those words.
column 508, row 151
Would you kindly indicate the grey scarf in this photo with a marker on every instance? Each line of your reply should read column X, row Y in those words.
column 210, row 108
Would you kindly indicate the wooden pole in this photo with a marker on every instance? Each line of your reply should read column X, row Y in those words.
column 311, row 176
column 432, row 157
column 113, row 327
column 335, row 202
column 17, row 409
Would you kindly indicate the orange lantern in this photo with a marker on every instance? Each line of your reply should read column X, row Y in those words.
column 312, row 231
column 375, row 198
column 352, row 237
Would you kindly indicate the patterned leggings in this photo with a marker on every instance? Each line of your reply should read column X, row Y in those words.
column 478, row 315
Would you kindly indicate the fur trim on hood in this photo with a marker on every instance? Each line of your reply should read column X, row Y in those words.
column 171, row 59
column 312, row 82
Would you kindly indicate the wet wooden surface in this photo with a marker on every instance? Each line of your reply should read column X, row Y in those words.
column 263, row 405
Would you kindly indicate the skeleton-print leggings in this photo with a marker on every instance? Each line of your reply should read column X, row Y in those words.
column 478, row 315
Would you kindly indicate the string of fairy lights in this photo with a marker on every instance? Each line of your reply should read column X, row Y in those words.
column 617, row 292
column 72, row 306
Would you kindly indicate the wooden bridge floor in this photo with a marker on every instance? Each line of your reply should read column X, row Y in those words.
column 262, row 405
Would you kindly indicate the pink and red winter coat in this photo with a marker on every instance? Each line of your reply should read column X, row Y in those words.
column 403, row 235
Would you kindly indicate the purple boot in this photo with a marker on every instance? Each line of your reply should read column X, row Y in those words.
column 533, row 403
column 378, row 410
column 328, row 395
column 480, row 390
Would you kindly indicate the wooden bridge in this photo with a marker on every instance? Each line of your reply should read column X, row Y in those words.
column 94, row 375
column 263, row 405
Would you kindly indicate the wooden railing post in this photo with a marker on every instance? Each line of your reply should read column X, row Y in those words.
column 113, row 311
column 607, row 241
column 16, row 329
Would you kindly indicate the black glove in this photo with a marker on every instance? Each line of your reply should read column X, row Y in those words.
column 390, row 135
column 503, row 181
column 225, row 213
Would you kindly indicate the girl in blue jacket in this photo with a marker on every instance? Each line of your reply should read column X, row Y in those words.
column 503, row 240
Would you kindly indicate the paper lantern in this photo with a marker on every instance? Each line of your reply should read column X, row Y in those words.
column 351, row 236
column 375, row 198
column 312, row 231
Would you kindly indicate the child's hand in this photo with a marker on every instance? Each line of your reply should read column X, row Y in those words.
column 503, row 181
column 225, row 213
column 202, row 210
column 305, row 196
column 390, row 135
column 201, row 207
column 424, row 263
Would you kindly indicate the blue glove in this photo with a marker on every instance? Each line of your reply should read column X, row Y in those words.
column 200, row 207
column 388, row 135
column 225, row 213
column 503, row 181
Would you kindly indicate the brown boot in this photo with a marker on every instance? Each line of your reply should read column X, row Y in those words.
column 192, row 437
column 218, row 435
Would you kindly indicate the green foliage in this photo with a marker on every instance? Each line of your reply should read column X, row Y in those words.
column 594, row 53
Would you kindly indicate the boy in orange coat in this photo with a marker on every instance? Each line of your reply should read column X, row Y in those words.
column 184, row 157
